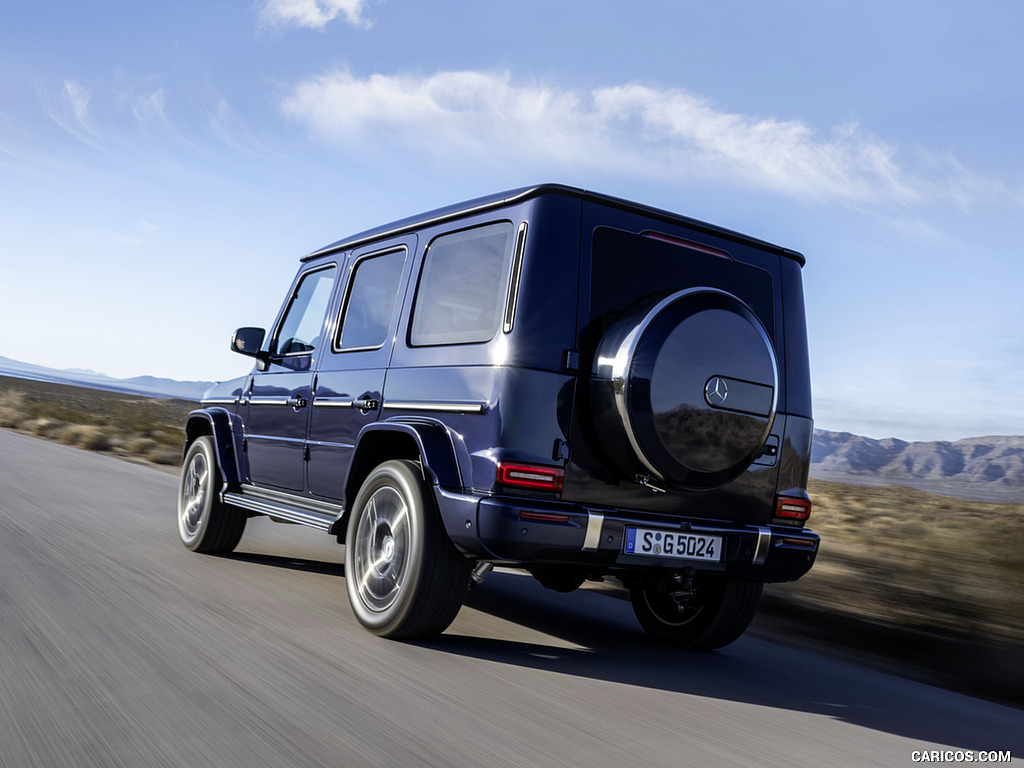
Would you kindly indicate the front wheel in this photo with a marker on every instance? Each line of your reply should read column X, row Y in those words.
column 404, row 577
column 717, row 613
column 205, row 523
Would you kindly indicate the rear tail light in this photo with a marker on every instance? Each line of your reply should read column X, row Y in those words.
column 792, row 508
column 543, row 517
column 789, row 541
column 530, row 477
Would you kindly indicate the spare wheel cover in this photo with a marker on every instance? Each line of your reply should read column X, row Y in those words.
column 694, row 381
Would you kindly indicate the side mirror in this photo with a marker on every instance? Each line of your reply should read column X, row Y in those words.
column 249, row 342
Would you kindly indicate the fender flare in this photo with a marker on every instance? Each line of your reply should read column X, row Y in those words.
column 221, row 426
column 445, row 458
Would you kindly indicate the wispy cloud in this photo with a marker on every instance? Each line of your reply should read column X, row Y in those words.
column 149, row 107
column 629, row 128
column 313, row 14
column 114, row 119
column 70, row 109
column 79, row 98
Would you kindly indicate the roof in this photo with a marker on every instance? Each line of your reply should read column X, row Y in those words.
column 523, row 194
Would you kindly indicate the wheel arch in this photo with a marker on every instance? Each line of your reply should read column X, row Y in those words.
column 216, row 423
column 428, row 442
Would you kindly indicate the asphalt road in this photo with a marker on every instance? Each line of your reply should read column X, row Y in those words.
column 118, row 647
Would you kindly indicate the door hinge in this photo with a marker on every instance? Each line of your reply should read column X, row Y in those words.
column 570, row 360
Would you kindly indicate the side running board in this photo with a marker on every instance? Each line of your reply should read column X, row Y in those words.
column 285, row 506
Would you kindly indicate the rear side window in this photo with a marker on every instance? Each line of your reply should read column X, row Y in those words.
column 371, row 301
column 462, row 288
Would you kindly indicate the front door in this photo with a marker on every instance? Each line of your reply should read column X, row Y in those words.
column 279, row 401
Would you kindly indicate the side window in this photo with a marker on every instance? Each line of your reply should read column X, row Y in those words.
column 303, row 321
column 463, row 286
column 371, row 301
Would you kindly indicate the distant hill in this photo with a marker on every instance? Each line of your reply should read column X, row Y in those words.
column 149, row 386
column 983, row 468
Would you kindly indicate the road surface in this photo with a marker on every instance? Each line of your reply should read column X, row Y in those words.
column 118, row 647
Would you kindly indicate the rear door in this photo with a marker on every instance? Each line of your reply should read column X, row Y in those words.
column 678, row 338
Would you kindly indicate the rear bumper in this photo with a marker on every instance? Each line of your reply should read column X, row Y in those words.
column 517, row 531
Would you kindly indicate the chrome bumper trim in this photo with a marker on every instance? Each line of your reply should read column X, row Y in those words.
column 595, row 523
column 764, row 541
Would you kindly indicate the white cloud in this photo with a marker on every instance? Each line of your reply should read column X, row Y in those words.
column 663, row 133
column 450, row 111
column 150, row 107
column 79, row 98
column 783, row 155
column 314, row 14
column 70, row 110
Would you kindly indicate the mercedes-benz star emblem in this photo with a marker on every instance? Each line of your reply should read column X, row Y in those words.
column 716, row 391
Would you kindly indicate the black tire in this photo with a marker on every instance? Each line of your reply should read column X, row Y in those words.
column 720, row 612
column 404, row 577
column 205, row 524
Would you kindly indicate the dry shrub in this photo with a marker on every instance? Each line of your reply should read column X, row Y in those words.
column 12, row 409
column 87, row 436
column 43, row 427
column 150, row 449
column 139, row 446
column 164, row 456
column 917, row 560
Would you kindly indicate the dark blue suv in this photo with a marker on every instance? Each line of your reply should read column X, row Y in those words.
column 547, row 379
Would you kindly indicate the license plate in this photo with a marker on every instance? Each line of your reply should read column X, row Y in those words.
column 687, row 546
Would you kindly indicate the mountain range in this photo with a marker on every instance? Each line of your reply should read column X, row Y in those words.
column 983, row 468
column 149, row 386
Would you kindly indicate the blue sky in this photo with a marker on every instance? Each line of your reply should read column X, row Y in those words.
column 164, row 165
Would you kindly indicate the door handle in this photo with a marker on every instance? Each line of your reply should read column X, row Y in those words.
column 365, row 404
column 297, row 402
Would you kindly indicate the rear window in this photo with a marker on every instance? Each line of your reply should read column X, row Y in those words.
column 462, row 289
column 628, row 267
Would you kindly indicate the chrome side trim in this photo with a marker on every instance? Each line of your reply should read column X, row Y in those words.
column 269, row 401
column 220, row 401
column 442, row 407
column 331, row 402
column 513, row 284
column 595, row 523
column 764, row 541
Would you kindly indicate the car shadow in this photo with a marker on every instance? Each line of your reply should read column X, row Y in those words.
column 596, row 636
column 612, row 647
column 291, row 563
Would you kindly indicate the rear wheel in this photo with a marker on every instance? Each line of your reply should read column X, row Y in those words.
column 205, row 524
column 716, row 614
column 404, row 577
